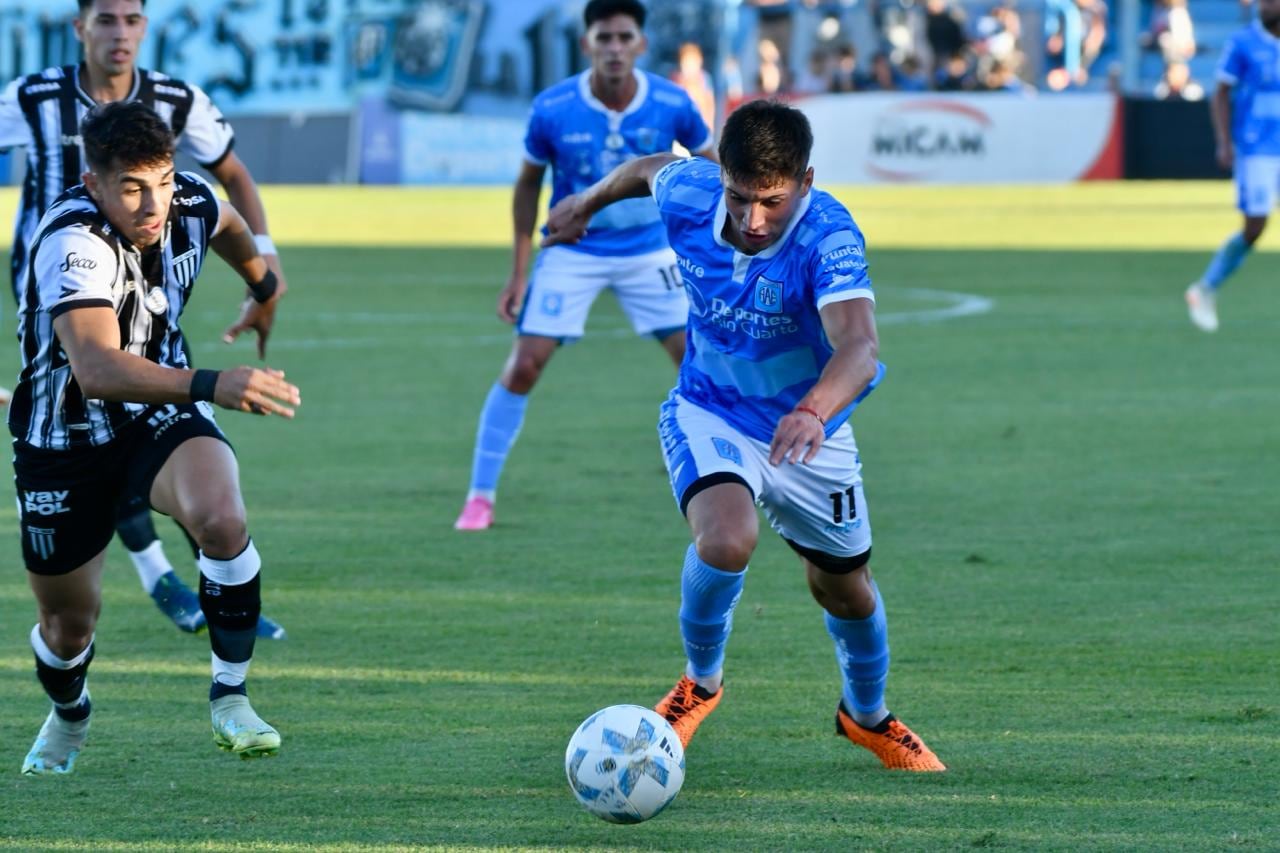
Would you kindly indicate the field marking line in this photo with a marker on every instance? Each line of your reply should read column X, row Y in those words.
column 957, row 305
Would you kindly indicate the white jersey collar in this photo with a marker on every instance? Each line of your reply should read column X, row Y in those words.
column 615, row 117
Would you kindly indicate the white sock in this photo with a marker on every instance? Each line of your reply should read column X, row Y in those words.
column 230, row 674
column 490, row 495
column 151, row 564
column 709, row 683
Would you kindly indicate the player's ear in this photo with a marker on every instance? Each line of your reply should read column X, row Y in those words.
column 91, row 184
column 78, row 25
column 807, row 183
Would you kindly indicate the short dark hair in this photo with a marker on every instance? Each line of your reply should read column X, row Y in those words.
column 598, row 10
column 85, row 4
column 765, row 142
column 125, row 134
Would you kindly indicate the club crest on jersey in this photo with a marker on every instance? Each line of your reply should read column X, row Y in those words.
column 155, row 301
column 768, row 296
column 41, row 541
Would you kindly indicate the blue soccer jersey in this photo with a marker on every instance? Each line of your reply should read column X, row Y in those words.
column 755, row 341
column 583, row 140
column 1251, row 65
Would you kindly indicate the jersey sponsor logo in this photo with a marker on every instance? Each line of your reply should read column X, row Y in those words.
column 753, row 324
column 68, row 139
column 75, row 262
column 172, row 91
column 188, row 200
column 165, row 417
column 37, row 88
column 576, row 138
column 45, row 503
column 768, row 296
column 727, row 450
column 694, row 269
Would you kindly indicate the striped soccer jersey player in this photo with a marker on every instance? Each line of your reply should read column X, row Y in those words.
column 42, row 112
column 78, row 260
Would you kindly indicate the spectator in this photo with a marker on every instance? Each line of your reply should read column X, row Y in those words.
column 944, row 29
column 1177, row 85
column 816, row 77
column 883, row 77
column 1172, row 31
column 955, row 75
column 691, row 76
column 1093, row 18
column 1064, row 27
column 999, row 76
column 773, row 77
column 845, row 76
column 911, row 76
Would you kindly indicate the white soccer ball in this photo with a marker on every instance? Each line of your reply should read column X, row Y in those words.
column 625, row 764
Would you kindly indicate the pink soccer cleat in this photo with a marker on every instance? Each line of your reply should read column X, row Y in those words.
column 477, row 514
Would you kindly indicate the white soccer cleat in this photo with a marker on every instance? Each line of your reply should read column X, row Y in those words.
column 1202, row 306
column 56, row 747
column 237, row 728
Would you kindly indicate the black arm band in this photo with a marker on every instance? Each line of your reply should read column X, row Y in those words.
column 202, row 385
column 265, row 289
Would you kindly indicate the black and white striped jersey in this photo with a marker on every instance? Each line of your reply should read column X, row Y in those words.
column 42, row 112
column 77, row 261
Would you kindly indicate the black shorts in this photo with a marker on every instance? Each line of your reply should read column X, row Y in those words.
column 68, row 499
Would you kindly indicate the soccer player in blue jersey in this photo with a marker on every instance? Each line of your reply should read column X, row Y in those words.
column 582, row 128
column 1246, row 123
column 782, row 345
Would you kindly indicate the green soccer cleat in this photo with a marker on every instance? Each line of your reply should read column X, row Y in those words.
column 237, row 728
column 56, row 746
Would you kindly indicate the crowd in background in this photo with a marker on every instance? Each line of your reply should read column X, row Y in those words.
column 806, row 47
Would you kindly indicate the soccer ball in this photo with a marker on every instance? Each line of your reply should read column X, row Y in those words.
column 625, row 764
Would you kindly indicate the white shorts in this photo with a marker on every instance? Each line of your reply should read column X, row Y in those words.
column 819, row 506
column 565, row 283
column 1257, row 184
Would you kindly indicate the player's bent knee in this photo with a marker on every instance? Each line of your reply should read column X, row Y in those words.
column 68, row 634
column 221, row 533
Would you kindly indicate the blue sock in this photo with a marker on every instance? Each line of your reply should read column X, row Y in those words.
column 707, row 598
column 862, row 650
column 1224, row 263
column 500, row 421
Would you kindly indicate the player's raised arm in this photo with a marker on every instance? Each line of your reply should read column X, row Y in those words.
column 234, row 243
column 850, row 326
column 567, row 221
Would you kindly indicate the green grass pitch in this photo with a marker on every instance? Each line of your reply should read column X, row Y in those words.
column 1074, row 500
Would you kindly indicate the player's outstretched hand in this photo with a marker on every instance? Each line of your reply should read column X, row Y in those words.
column 566, row 222
column 259, row 391
column 257, row 316
column 511, row 299
column 797, row 438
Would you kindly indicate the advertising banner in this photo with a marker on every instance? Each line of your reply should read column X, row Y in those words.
column 964, row 138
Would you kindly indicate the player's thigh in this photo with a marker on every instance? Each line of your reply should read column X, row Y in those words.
column 651, row 292
column 1257, row 184
column 562, row 288
column 187, row 468
column 66, row 504
column 820, row 508
column 701, row 450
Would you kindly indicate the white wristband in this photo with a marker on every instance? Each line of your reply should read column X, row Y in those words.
column 264, row 244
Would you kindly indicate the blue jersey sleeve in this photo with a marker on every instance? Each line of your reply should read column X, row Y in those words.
column 840, row 268
column 686, row 188
column 538, row 137
column 1234, row 62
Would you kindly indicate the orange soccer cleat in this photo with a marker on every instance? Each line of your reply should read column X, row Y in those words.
column 686, row 706
column 897, row 747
